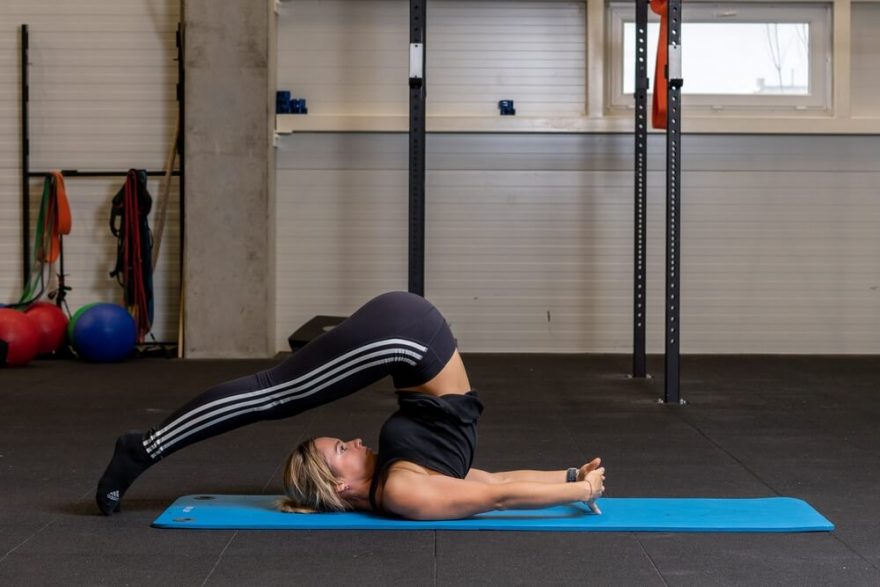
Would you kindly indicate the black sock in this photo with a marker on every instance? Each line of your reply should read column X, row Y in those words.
column 130, row 459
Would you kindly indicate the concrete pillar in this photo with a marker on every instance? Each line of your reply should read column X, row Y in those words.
column 228, row 154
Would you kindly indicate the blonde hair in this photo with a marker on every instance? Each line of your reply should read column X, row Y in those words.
column 309, row 483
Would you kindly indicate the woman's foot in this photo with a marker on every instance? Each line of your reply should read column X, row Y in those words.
column 130, row 459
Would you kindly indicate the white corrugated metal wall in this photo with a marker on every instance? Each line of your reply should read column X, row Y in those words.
column 529, row 237
column 346, row 56
column 102, row 97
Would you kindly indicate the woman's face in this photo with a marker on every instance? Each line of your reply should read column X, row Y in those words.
column 349, row 460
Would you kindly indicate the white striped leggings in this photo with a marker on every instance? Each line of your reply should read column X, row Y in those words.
column 397, row 334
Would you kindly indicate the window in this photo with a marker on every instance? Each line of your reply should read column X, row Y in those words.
column 738, row 56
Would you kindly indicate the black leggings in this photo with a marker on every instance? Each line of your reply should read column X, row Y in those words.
column 397, row 334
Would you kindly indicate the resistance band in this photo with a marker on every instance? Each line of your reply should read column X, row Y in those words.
column 658, row 112
column 134, row 269
column 53, row 221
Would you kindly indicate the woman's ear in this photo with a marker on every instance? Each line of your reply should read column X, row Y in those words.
column 342, row 488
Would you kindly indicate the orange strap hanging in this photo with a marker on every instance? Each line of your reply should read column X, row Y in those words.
column 658, row 112
column 58, row 220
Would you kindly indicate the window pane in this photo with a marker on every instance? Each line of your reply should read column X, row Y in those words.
column 732, row 58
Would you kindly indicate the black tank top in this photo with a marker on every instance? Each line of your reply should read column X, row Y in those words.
column 439, row 433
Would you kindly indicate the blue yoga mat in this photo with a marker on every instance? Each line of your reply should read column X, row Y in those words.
column 258, row 512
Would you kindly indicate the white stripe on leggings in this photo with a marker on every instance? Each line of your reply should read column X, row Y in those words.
column 188, row 420
column 271, row 402
column 167, row 433
column 312, row 376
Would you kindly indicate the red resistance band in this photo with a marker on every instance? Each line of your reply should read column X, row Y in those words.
column 133, row 265
column 658, row 112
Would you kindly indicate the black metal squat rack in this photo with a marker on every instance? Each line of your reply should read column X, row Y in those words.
column 418, row 91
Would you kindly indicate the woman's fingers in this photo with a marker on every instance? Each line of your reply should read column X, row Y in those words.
column 585, row 469
column 594, row 474
column 598, row 488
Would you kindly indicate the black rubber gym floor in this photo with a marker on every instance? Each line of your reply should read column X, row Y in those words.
column 754, row 427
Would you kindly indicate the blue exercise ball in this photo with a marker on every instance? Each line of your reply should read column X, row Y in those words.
column 105, row 333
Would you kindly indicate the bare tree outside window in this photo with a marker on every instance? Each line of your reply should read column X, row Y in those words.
column 733, row 58
column 737, row 56
column 794, row 37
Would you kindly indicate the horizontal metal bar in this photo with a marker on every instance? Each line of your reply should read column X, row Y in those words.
column 78, row 173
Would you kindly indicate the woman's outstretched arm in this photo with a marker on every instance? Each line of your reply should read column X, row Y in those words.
column 437, row 497
column 556, row 476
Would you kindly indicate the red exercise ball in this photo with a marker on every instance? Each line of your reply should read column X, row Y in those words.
column 19, row 338
column 51, row 323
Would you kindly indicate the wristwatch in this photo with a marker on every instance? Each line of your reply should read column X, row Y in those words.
column 571, row 475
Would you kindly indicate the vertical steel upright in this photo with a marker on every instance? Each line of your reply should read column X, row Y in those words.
column 25, row 163
column 673, row 203
column 181, row 143
column 417, row 92
column 641, row 187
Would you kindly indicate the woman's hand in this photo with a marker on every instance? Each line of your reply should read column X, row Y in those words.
column 593, row 477
column 585, row 469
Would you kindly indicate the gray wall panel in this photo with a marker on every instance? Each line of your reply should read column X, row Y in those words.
column 529, row 238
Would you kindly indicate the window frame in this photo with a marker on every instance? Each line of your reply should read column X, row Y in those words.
column 817, row 14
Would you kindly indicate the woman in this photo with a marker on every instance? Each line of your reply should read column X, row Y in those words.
column 423, row 468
